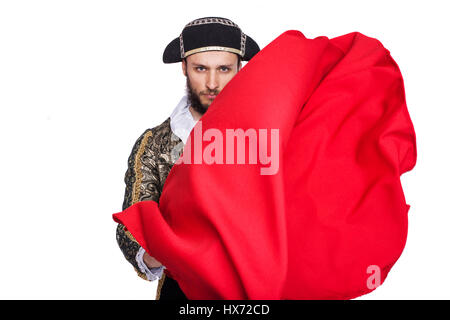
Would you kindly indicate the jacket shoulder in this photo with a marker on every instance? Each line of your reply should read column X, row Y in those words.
column 152, row 137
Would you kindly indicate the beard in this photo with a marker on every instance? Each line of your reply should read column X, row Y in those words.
column 194, row 98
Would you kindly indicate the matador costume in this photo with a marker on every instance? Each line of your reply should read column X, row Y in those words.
column 158, row 148
column 149, row 164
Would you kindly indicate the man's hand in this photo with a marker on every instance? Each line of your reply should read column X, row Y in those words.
column 150, row 261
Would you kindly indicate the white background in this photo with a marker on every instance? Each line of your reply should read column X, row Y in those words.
column 81, row 80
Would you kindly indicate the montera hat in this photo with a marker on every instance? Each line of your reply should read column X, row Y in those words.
column 207, row 34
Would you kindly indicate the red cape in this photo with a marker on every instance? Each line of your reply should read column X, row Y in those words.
column 332, row 215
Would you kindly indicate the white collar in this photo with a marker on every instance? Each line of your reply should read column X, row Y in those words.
column 181, row 120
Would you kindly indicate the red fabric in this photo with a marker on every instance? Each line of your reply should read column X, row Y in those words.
column 334, row 208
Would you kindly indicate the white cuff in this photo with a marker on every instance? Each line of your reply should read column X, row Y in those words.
column 151, row 273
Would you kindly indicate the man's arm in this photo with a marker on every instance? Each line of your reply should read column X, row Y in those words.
column 142, row 183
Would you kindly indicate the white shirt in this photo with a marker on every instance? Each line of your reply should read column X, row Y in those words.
column 181, row 123
column 181, row 120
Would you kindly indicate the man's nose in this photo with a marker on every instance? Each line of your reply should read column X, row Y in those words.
column 212, row 81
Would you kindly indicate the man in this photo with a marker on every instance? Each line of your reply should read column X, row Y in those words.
column 210, row 51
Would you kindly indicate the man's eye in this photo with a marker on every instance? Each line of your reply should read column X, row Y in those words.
column 200, row 68
column 224, row 69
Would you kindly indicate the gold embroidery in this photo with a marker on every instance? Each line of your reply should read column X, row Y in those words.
column 129, row 235
column 210, row 48
column 140, row 274
column 138, row 169
column 160, row 284
column 201, row 21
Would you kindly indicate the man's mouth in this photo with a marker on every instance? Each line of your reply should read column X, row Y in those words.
column 211, row 96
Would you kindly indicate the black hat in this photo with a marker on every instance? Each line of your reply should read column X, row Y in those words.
column 210, row 33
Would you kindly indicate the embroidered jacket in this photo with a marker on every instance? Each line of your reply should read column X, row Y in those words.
column 149, row 164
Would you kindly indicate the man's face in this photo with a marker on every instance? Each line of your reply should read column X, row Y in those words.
column 207, row 73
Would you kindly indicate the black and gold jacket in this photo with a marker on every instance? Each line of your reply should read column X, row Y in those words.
column 149, row 164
